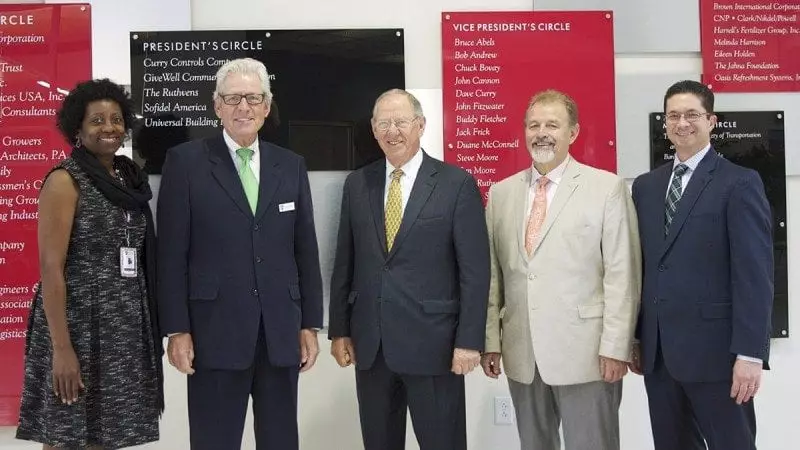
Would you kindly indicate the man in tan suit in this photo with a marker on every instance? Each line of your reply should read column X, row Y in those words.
column 566, row 279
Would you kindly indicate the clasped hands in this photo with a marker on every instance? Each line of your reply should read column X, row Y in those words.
column 464, row 360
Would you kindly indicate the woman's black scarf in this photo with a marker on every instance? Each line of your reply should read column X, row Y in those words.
column 134, row 196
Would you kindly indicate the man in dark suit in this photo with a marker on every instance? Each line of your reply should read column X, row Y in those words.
column 240, row 283
column 410, row 285
column 704, row 324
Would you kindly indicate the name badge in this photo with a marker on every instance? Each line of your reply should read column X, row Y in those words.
column 128, row 267
column 284, row 207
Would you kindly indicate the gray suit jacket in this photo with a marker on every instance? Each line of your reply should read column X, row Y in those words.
column 428, row 295
column 576, row 298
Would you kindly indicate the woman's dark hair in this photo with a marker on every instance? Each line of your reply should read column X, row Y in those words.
column 73, row 109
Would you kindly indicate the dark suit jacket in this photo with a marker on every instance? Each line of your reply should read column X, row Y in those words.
column 223, row 270
column 708, row 285
column 428, row 295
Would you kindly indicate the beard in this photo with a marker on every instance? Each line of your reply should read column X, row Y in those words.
column 543, row 156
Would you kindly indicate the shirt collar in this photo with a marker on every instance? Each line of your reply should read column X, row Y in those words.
column 554, row 175
column 694, row 161
column 233, row 146
column 410, row 168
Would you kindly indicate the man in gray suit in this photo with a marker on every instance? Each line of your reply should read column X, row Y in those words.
column 410, row 285
column 566, row 277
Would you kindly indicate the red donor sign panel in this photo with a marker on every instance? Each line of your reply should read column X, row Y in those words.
column 494, row 62
column 44, row 51
column 751, row 45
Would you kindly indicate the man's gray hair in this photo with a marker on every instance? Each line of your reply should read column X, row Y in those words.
column 415, row 104
column 244, row 66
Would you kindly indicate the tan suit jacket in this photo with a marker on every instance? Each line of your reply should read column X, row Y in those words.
column 577, row 297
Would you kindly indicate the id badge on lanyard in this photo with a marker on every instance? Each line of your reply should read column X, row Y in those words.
column 128, row 261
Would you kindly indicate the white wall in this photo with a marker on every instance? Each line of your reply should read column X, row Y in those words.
column 328, row 411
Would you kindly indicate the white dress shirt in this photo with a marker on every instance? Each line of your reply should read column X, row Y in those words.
column 410, row 171
column 692, row 164
column 255, row 161
column 554, row 176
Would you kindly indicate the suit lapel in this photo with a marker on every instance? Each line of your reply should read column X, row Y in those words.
column 376, row 184
column 521, row 198
column 697, row 183
column 423, row 186
column 569, row 182
column 269, row 178
column 662, row 182
column 225, row 173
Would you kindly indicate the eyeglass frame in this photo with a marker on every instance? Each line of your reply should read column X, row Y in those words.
column 377, row 123
column 685, row 116
column 242, row 96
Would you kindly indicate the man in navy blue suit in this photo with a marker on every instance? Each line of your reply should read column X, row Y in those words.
column 239, row 275
column 704, row 323
column 409, row 286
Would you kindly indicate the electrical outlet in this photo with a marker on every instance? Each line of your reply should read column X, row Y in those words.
column 503, row 411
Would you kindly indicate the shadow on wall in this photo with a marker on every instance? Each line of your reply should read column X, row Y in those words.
column 330, row 420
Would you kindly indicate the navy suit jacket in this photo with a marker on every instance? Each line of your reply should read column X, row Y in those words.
column 222, row 269
column 708, row 285
column 429, row 294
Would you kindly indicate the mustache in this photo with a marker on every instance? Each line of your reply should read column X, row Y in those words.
column 543, row 140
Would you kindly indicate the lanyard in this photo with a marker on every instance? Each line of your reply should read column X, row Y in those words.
column 125, row 213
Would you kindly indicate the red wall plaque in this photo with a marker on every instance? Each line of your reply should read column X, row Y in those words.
column 751, row 45
column 493, row 62
column 44, row 51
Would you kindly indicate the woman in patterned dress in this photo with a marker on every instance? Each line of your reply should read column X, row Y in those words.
column 93, row 375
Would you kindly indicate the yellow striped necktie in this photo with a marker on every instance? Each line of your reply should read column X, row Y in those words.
column 394, row 208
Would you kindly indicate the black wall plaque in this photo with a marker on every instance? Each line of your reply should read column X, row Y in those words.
column 324, row 83
column 753, row 139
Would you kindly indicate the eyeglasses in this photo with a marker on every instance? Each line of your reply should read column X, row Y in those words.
column 235, row 99
column 402, row 124
column 691, row 116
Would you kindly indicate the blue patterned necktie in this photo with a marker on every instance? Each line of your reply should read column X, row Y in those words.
column 674, row 195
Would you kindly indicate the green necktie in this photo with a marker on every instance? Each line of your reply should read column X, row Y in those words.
column 249, row 182
column 394, row 208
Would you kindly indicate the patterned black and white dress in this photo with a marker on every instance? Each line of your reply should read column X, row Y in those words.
column 109, row 324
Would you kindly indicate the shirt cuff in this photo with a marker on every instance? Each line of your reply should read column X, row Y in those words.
column 749, row 359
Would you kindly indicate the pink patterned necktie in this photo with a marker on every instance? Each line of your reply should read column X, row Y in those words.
column 538, row 211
